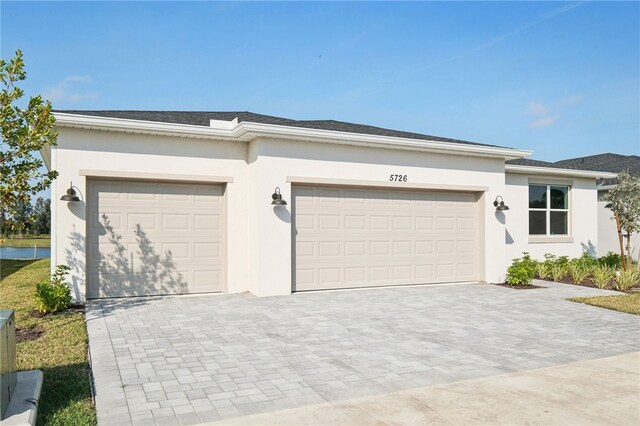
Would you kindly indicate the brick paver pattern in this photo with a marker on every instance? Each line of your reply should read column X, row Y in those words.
column 186, row 360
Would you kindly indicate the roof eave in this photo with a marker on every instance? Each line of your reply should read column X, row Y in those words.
column 535, row 170
column 246, row 131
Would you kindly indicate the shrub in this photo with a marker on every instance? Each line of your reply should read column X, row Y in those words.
column 558, row 267
column 624, row 280
column 602, row 275
column 578, row 271
column 522, row 271
column 611, row 259
column 54, row 295
column 586, row 261
column 543, row 270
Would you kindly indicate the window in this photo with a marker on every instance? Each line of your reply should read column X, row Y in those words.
column 548, row 210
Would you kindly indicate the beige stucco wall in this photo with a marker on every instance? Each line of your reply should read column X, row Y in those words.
column 82, row 149
column 259, row 237
column 583, row 218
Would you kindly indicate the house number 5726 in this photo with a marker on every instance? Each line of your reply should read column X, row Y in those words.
column 397, row 178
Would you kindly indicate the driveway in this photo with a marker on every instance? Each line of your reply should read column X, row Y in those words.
column 185, row 360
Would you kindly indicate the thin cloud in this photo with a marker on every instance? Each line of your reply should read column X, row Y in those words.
column 538, row 109
column 542, row 115
column 521, row 28
column 66, row 90
column 542, row 123
column 572, row 100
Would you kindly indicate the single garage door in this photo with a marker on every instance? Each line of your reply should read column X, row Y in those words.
column 154, row 238
column 353, row 237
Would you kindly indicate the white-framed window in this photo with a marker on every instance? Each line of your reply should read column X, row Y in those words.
column 548, row 209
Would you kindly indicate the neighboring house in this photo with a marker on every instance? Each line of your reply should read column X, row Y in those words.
column 183, row 202
column 615, row 163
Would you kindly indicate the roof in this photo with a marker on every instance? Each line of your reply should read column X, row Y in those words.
column 201, row 118
column 614, row 163
column 611, row 163
column 532, row 163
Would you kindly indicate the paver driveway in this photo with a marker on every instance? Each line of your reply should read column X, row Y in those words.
column 183, row 360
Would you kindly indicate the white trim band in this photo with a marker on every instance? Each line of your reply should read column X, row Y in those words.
column 246, row 131
column 123, row 174
column 383, row 184
column 534, row 170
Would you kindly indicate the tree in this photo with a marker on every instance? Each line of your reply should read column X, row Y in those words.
column 22, row 217
column 24, row 133
column 624, row 200
column 42, row 216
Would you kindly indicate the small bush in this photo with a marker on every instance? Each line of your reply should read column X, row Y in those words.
column 522, row 271
column 578, row 271
column 54, row 295
column 611, row 259
column 624, row 280
column 559, row 267
column 586, row 261
column 602, row 276
column 543, row 270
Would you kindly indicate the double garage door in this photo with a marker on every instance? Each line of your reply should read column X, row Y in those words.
column 353, row 237
column 154, row 238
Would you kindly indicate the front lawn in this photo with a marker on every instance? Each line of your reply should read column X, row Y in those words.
column 629, row 303
column 56, row 344
column 25, row 242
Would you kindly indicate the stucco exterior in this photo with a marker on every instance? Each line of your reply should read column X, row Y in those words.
column 259, row 237
column 583, row 218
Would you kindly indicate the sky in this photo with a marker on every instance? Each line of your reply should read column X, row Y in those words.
column 559, row 78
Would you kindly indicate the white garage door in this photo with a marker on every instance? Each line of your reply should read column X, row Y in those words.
column 154, row 238
column 352, row 237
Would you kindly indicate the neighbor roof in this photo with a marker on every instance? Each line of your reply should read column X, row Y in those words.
column 201, row 118
column 614, row 163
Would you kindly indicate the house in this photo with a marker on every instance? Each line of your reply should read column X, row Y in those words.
column 188, row 202
column 614, row 163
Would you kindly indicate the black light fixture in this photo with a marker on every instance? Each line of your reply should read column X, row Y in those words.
column 277, row 198
column 70, row 195
column 500, row 206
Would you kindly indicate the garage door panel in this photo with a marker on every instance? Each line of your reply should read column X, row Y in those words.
column 153, row 238
column 365, row 237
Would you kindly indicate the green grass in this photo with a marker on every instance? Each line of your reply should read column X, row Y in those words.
column 25, row 242
column 629, row 303
column 61, row 352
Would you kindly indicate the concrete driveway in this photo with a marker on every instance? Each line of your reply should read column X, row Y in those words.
column 192, row 359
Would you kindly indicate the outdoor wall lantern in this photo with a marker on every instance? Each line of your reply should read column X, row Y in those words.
column 70, row 195
column 500, row 206
column 277, row 198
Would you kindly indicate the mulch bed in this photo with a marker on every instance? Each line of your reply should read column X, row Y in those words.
column 520, row 287
column 23, row 334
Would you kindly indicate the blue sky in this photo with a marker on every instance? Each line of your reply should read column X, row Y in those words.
column 560, row 78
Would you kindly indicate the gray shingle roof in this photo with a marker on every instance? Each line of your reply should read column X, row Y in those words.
column 201, row 118
column 614, row 163
column 533, row 163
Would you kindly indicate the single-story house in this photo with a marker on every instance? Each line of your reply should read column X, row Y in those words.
column 165, row 202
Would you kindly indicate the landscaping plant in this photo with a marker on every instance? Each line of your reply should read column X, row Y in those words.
column 578, row 271
column 626, row 279
column 522, row 271
column 54, row 294
column 602, row 275
column 543, row 270
column 611, row 259
column 624, row 201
